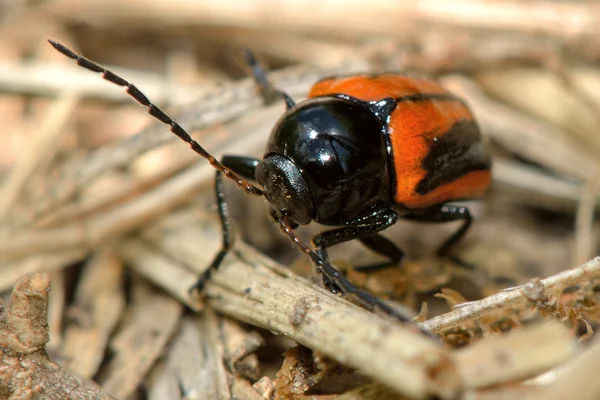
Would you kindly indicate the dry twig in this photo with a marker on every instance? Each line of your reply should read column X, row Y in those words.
column 140, row 339
column 98, row 305
column 252, row 288
column 476, row 309
column 26, row 370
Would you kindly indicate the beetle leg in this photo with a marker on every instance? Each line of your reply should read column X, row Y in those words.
column 267, row 91
column 342, row 283
column 381, row 245
column 366, row 230
column 243, row 166
column 447, row 213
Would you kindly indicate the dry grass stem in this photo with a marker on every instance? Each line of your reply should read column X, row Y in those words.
column 35, row 262
column 364, row 17
column 578, row 378
column 140, row 339
column 476, row 309
column 585, row 239
column 515, row 356
column 253, row 289
column 97, row 307
column 40, row 150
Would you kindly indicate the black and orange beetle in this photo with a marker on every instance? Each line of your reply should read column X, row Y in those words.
column 359, row 153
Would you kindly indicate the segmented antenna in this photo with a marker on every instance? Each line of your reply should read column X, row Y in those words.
column 157, row 113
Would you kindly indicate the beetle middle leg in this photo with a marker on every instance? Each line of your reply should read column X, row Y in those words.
column 448, row 213
column 245, row 167
column 381, row 245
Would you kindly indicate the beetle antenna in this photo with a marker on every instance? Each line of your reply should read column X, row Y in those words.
column 157, row 113
column 267, row 91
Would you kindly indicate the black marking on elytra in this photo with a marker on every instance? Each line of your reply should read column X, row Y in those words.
column 418, row 97
column 452, row 155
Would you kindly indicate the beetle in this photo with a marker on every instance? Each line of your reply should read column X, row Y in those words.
column 359, row 153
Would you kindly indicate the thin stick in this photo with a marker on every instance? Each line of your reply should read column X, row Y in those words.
column 252, row 288
column 35, row 262
column 256, row 290
column 584, row 219
column 579, row 379
column 359, row 16
column 476, row 309
column 123, row 218
column 518, row 355
column 531, row 185
column 98, row 306
column 40, row 148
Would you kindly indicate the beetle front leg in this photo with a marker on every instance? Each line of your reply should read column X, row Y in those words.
column 245, row 167
column 365, row 229
column 331, row 274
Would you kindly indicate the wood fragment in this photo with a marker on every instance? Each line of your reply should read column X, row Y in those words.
column 27, row 373
column 150, row 322
column 239, row 345
column 56, row 310
column 41, row 149
column 243, row 390
column 514, row 356
column 265, row 387
column 162, row 383
column 98, row 305
column 35, row 262
column 196, row 358
column 578, row 379
column 254, row 289
column 584, row 219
